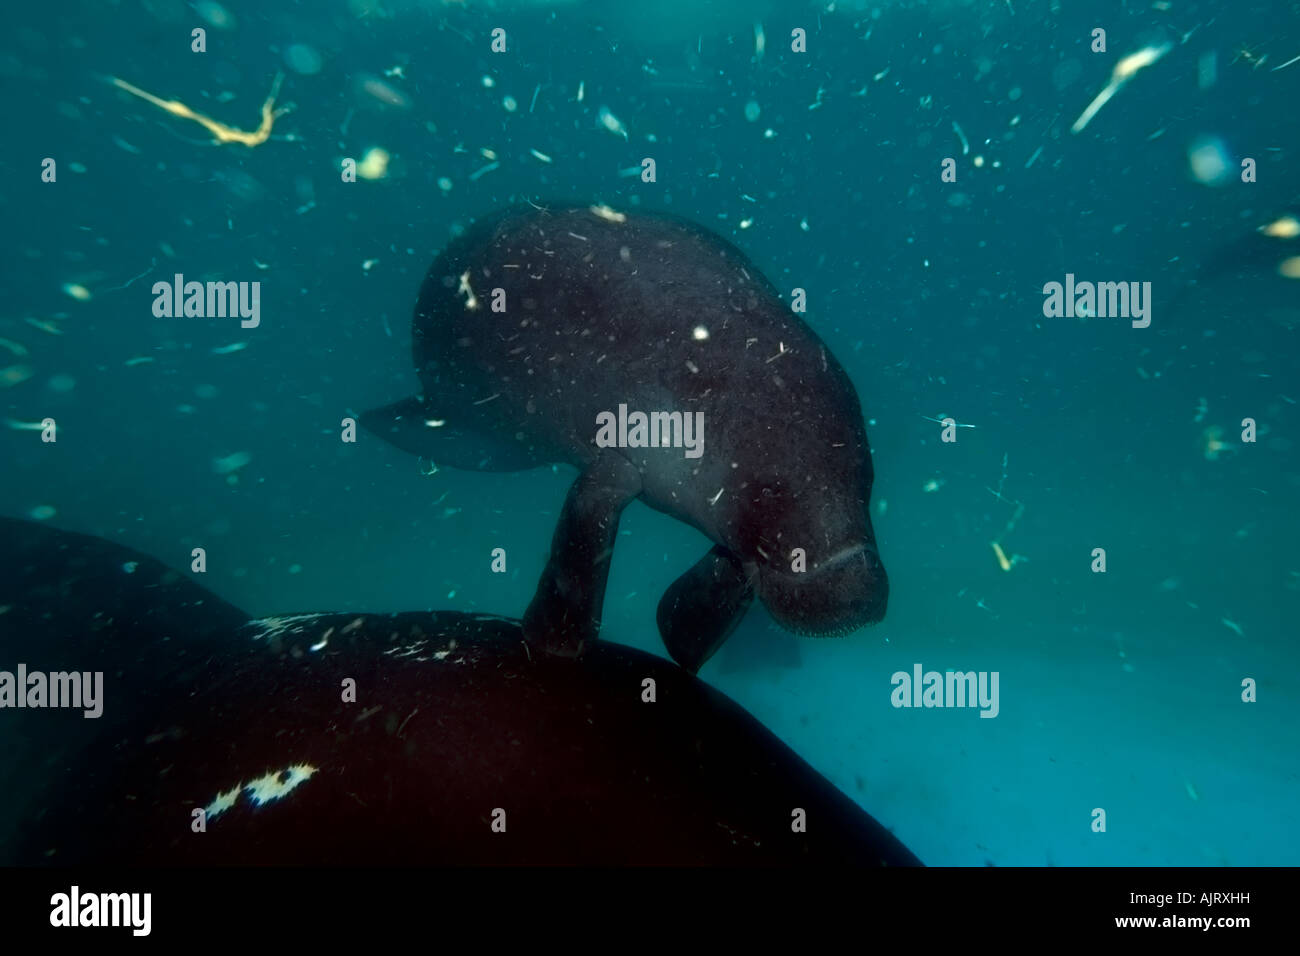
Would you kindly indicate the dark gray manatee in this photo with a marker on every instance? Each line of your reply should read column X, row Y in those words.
column 654, row 357
column 456, row 725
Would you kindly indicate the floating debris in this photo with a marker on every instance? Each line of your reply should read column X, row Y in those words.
column 303, row 59
column 231, row 463
column 1124, row 71
column 608, row 214
column 1004, row 562
column 138, row 360
column 14, row 347
column 44, row 326
column 221, row 132
column 1210, row 161
column 1232, row 626
column 78, row 292
column 965, row 144
column 374, row 164
column 14, row 375
column 540, row 156
column 1284, row 227
column 232, row 347
column 612, row 122
column 483, row 171
column 384, row 93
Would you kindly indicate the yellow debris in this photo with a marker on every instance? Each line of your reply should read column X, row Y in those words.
column 221, row 132
column 1003, row 561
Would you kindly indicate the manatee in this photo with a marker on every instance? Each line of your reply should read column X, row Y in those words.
column 540, row 333
column 463, row 745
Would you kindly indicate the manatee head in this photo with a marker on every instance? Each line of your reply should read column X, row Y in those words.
column 811, row 553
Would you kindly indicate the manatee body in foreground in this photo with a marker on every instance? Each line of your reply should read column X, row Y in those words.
column 457, row 725
column 539, row 327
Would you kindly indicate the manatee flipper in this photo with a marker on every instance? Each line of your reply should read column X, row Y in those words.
column 701, row 608
column 564, row 615
column 455, row 443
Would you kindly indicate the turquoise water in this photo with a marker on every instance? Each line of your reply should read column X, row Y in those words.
column 1119, row 690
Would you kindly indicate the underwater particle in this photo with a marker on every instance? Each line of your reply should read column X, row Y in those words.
column 44, row 326
column 369, row 264
column 138, row 360
column 752, row 111
column 608, row 214
column 14, row 375
column 374, row 164
column 582, row 89
column 444, row 184
column 232, row 347
column 231, row 463
column 215, row 15
column 931, row 486
column 1191, row 791
column 1212, row 443
column 62, row 383
column 1004, row 562
column 302, row 59
column 130, row 566
column 205, row 391
column 1124, row 71
column 377, row 89
column 540, row 156
column 15, row 347
column 745, row 223
column 43, row 512
column 295, row 569
column 483, row 171
column 488, row 82
column 1289, row 268
column 1232, row 626
column 1209, row 161
column 78, row 292
column 612, row 123
column 699, row 333
column 509, row 104
column 1284, row 227
column 220, row 131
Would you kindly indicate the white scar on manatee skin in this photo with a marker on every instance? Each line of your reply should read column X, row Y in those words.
column 272, row 627
column 262, row 790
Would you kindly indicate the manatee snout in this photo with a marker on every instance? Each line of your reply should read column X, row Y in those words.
column 846, row 590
